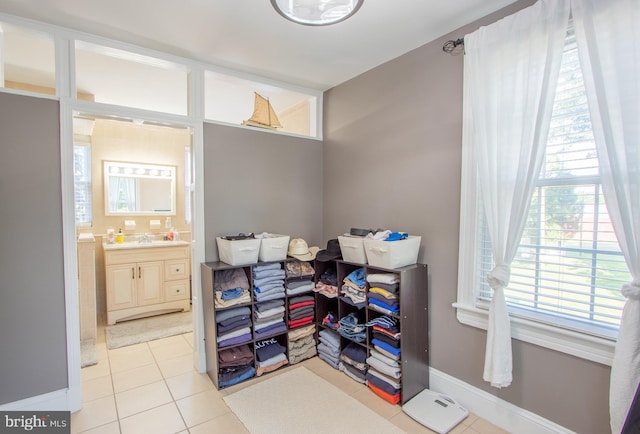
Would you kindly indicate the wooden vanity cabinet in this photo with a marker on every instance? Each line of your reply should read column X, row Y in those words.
column 146, row 281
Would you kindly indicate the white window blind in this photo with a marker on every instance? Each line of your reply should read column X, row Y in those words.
column 568, row 269
column 82, row 182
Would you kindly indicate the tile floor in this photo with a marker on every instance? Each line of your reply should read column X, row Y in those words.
column 153, row 388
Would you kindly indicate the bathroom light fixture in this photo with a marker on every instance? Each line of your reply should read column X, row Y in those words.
column 316, row 12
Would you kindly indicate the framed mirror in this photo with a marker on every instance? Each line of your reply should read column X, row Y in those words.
column 139, row 189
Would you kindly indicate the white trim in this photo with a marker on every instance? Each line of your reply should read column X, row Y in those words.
column 571, row 342
column 497, row 411
column 72, row 303
column 53, row 401
column 198, row 245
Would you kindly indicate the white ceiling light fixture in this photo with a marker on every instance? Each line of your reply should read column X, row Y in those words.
column 317, row 12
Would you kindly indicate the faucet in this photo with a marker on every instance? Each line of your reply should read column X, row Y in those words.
column 145, row 239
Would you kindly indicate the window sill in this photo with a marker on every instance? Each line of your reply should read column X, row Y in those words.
column 583, row 345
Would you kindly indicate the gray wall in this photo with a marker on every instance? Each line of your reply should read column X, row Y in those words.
column 33, row 353
column 255, row 181
column 392, row 159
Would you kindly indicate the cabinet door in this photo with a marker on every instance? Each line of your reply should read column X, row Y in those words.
column 150, row 282
column 121, row 286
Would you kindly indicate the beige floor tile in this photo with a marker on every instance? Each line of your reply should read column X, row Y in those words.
column 130, row 360
column 377, row 404
column 164, row 341
column 406, row 423
column 202, row 407
column 189, row 338
column 93, row 414
column 96, row 388
column 110, row 428
column 188, row 384
column 343, row 382
column 142, row 398
column 486, row 427
column 176, row 366
column 90, row 372
column 136, row 377
column 165, row 419
column 171, row 350
column 227, row 423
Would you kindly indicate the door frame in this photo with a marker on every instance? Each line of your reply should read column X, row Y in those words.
column 67, row 107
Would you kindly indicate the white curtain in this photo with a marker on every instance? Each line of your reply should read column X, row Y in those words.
column 608, row 37
column 510, row 71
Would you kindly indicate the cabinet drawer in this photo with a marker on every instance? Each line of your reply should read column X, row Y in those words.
column 177, row 290
column 146, row 254
column 176, row 269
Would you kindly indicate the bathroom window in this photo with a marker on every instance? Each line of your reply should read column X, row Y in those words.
column 82, row 182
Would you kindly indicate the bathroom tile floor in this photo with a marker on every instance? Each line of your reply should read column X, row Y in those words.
column 153, row 388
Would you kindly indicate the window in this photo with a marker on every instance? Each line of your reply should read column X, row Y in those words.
column 82, row 182
column 568, row 269
column 27, row 60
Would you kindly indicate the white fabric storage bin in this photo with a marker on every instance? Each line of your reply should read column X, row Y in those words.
column 273, row 248
column 352, row 249
column 392, row 254
column 238, row 252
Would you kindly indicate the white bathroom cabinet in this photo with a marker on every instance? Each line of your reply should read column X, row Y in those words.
column 145, row 280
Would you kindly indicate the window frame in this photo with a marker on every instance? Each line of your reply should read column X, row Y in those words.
column 474, row 312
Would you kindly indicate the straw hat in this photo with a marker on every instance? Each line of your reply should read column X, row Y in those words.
column 299, row 249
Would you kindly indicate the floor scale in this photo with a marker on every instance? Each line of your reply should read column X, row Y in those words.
column 436, row 411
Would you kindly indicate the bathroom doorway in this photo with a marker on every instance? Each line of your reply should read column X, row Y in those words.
column 142, row 148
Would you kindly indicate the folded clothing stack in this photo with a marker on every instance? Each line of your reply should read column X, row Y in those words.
column 328, row 283
column 297, row 287
column 233, row 326
column 270, row 356
column 231, row 287
column 302, row 344
column 329, row 347
column 353, row 362
column 384, row 373
column 301, row 310
column 268, row 282
column 296, row 268
column 235, row 365
column 383, row 292
column 268, row 318
column 351, row 328
column 354, row 288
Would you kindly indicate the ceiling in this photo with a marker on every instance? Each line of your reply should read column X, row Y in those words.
column 249, row 36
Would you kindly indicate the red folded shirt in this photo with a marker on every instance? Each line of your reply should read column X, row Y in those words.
column 301, row 321
column 301, row 304
column 393, row 399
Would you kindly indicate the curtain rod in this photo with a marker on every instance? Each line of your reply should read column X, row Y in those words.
column 452, row 47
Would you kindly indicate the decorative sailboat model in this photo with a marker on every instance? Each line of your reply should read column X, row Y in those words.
column 263, row 114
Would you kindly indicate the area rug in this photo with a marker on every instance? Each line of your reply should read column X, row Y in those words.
column 299, row 401
column 148, row 329
column 88, row 353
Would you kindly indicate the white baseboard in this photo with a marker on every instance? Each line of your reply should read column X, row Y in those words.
column 495, row 410
column 53, row 401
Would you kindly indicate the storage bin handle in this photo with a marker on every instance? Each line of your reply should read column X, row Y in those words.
column 246, row 249
column 379, row 250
